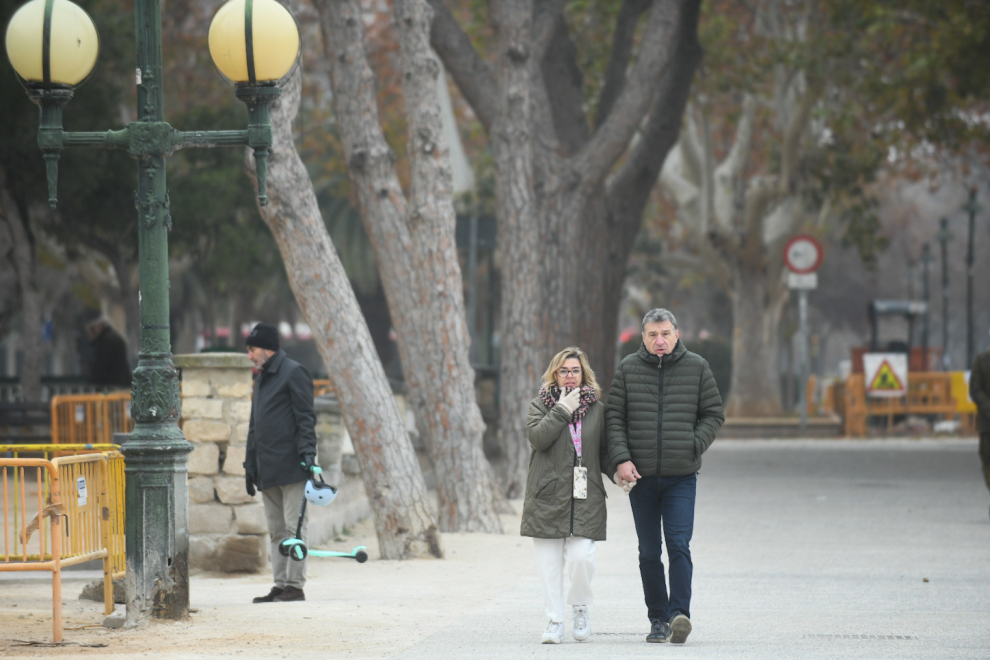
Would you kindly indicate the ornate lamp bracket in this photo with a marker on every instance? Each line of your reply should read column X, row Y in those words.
column 259, row 97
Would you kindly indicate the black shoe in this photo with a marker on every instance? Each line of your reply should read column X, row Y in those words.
column 680, row 628
column 290, row 594
column 272, row 595
column 659, row 632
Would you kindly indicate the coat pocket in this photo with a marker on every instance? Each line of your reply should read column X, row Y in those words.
column 543, row 489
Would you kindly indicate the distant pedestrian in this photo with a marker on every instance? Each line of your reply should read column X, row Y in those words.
column 564, row 509
column 664, row 410
column 281, row 452
column 109, row 367
column 979, row 392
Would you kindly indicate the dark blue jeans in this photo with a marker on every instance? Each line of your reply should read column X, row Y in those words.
column 665, row 503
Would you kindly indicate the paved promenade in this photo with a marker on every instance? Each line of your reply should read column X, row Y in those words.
column 802, row 549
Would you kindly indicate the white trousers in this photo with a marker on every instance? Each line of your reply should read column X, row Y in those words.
column 575, row 553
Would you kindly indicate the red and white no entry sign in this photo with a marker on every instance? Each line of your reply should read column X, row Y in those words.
column 803, row 254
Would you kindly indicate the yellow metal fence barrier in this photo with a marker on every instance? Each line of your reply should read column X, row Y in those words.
column 65, row 511
column 31, row 485
column 928, row 393
column 90, row 418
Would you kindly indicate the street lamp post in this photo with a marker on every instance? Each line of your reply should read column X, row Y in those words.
column 53, row 47
column 972, row 208
column 926, row 264
column 944, row 236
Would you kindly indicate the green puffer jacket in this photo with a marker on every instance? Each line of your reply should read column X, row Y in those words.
column 979, row 390
column 549, row 510
column 691, row 412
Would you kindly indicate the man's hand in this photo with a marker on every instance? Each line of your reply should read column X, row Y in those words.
column 308, row 465
column 627, row 472
column 249, row 481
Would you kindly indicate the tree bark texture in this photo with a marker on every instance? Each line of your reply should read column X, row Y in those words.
column 566, row 220
column 416, row 251
column 404, row 519
column 22, row 257
column 757, row 304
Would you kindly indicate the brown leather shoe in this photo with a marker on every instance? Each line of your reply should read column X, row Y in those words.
column 290, row 594
column 272, row 595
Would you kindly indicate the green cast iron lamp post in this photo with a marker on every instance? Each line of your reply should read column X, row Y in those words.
column 53, row 46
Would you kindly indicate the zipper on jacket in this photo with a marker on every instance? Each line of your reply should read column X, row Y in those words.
column 572, row 494
column 660, row 417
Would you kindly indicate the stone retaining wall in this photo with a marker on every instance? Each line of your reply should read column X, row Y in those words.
column 227, row 530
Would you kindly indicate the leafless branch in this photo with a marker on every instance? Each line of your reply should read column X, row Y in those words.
column 473, row 75
column 612, row 138
column 622, row 45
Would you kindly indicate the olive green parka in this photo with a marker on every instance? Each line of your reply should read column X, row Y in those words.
column 663, row 417
column 549, row 510
column 979, row 390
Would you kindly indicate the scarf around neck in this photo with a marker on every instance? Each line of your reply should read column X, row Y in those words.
column 550, row 395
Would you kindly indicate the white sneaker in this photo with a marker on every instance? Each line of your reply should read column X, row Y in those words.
column 554, row 634
column 582, row 626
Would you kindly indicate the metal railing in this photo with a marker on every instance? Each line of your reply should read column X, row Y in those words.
column 11, row 392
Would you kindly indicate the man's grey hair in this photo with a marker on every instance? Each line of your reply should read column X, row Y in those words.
column 659, row 315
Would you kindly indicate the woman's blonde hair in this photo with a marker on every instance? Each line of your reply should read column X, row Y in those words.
column 587, row 375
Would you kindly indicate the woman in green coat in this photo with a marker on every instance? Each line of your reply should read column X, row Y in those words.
column 564, row 509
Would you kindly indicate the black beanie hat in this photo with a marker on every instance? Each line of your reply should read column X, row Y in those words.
column 263, row 336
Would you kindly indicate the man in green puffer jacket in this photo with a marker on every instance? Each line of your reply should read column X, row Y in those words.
column 979, row 392
column 663, row 412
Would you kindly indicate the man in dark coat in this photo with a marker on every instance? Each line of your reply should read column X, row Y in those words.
column 663, row 412
column 979, row 392
column 108, row 364
column 281, row 452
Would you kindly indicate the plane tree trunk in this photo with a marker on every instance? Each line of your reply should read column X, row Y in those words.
column 405, row 521
column 416, row 250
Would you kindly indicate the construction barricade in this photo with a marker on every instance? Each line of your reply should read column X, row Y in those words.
column 928, row 393
column 62, row 512
column 90, row 418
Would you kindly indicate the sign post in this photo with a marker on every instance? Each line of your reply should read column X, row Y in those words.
column 802, row 256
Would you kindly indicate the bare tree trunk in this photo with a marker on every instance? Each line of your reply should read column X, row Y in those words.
column 523, row 348
column 416, row 251
column 23, row 259
column 563, row 245
column 404, row 520
column 756, row 310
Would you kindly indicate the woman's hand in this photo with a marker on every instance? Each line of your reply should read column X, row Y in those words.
column 623, row 484
column 570, row 401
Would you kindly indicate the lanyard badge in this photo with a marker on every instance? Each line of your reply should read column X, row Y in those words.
column 580, row 491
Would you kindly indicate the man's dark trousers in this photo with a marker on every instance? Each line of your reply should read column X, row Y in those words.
column 667, row 503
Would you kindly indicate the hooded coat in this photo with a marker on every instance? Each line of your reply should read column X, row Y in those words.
column 282, row 432
column 550, row 510
column 663, row 416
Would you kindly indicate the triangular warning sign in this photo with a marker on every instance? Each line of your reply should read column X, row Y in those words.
column 886, row 379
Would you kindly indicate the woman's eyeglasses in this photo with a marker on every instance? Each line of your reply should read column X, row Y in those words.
column 564, row 373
